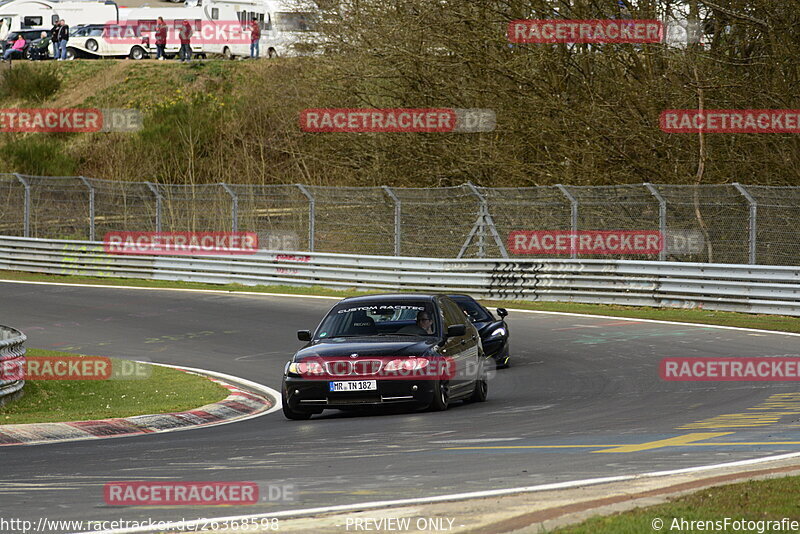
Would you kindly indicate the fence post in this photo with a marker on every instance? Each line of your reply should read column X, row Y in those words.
column 311, row 216
column 26, row 224
column 752, row 220
column 662, row 219
column 158, row 205
column 483, row 222
column 397, row 218
column 573, row 216
column 234, row 207
column 91, row 207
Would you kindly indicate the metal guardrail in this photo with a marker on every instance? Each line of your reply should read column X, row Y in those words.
column 12, row 356
column 724, row 287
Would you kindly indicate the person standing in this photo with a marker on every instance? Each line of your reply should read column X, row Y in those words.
column 255, row 36
column 185, row 35
column 161, row 38
column 54, row 38
column 63, row 37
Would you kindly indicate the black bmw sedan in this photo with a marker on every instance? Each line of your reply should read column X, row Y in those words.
column 379, row 350
column 494, row 332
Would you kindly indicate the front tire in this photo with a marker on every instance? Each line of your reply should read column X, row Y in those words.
column 295, row 415
column 481, row 390
column 441, row 396
column 226, row 53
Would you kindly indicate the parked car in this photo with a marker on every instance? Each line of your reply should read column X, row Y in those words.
column 379, row 350
column 494, row 332
column 92, row 40
column 28, row 35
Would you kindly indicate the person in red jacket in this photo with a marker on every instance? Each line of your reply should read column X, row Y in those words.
column 185, row 35
column 255, row 36
column 161, row 38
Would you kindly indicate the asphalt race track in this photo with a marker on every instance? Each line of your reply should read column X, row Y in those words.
column 582, row 399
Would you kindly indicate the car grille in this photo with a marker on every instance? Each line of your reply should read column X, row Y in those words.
column 353, row 368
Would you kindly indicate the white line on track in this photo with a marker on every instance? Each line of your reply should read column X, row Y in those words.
column 176, row 525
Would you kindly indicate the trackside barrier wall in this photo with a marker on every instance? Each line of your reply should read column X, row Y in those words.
column 725, row 287
column 12, row 355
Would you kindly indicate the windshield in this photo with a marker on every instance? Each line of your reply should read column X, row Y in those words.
column 294, row 22
column 380, row 318
column 474, row 311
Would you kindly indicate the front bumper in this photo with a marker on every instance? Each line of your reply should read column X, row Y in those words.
column 497, row 349
column 301, row 393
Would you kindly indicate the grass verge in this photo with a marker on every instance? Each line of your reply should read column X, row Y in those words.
column 165, row 390
column 755, row 500
column 742, row 320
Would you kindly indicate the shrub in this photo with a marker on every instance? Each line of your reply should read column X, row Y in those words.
column 38, row 154
column 28, row 82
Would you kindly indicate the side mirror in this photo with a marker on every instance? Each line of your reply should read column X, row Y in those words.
column 502, row 312
column 456, row 330
column 304, row 335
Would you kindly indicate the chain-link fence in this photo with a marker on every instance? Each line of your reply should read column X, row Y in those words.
column 729, row 223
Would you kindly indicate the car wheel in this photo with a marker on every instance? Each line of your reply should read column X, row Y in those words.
column 71, row 53
column 226, row 52
column 481, row 390
column 294, row 414
column 441, row 396
column 271, row 53
column 92, row 45
column 137, row 52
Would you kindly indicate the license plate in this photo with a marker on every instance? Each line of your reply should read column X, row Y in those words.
column 356, row 385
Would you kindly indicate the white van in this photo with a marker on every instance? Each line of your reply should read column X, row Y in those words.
column 291, row 29
column 25, row 15
column 285, row 29
column 229, row 17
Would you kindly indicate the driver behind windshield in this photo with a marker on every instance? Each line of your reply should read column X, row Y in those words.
column 423, row 326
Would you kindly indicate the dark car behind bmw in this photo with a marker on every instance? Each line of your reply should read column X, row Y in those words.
column 494, row 332
column 378, row 350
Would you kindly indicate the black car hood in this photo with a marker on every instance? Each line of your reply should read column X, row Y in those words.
column 364, row 347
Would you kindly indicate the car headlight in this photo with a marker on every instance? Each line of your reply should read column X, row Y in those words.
column 410, row 364
column 498, row 332
column 305, row 368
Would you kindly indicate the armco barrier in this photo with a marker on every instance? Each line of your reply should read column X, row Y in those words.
column 726, row 287
column 12, row 356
